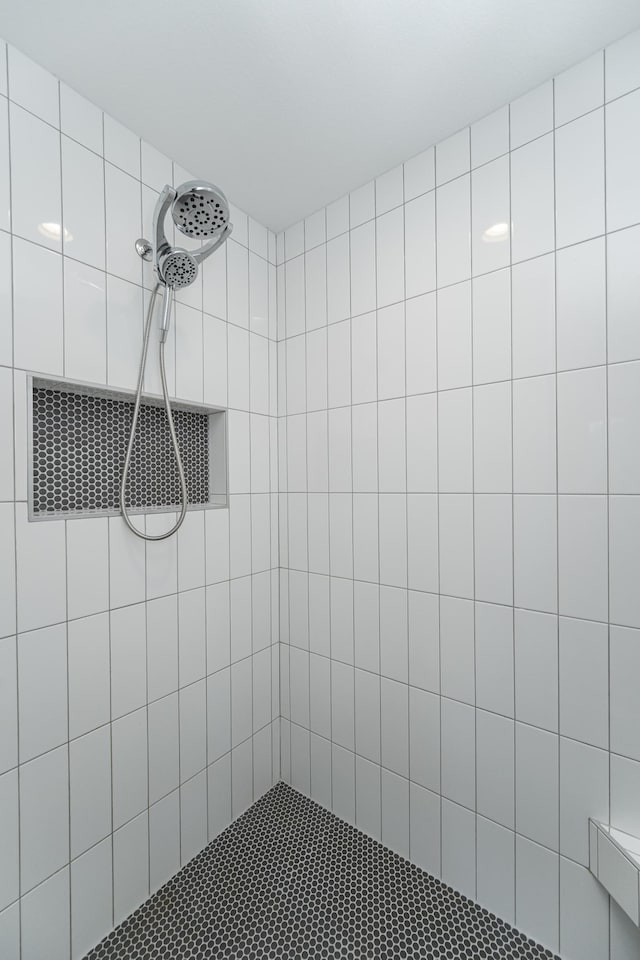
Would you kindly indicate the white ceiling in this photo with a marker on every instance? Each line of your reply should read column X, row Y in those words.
column 288, row 104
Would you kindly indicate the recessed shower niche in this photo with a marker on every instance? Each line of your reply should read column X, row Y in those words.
column 78, row 435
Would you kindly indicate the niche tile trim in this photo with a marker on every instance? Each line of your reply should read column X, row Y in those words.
column 614, row 859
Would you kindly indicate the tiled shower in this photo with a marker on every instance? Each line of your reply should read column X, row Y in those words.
column 419, row 606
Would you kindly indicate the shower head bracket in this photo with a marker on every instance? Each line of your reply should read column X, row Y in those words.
column 161, row 245
column 144, row 249
column 213, row 244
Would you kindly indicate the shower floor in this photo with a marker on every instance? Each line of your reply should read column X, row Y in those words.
column 288, row 879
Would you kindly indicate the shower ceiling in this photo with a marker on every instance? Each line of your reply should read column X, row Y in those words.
column 291, row 103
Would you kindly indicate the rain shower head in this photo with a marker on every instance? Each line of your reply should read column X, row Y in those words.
column 200, row 209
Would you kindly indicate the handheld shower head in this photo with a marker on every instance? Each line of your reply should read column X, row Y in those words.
column 200, row 209
column 178, row 268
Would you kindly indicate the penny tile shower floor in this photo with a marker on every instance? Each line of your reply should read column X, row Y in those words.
column 290, row 880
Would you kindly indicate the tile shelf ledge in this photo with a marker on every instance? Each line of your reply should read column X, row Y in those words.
column 614, row 860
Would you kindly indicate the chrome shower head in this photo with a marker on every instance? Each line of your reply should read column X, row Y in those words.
column 200, row 209
column 177, row 268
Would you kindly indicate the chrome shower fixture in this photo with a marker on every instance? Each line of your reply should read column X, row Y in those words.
column 199, row 210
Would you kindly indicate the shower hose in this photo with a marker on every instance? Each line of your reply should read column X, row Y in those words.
column 168, row 295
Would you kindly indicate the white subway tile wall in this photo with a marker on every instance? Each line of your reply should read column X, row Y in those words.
column 139, row 684
column 459, row 412
column 421, row 607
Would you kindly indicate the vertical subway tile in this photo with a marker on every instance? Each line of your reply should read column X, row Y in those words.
column 490, row 137
column 9, row 831
column 33, row 87
column 490, row 216
column 37, row 308
column 419, row 174
column 580, row 278
column 453, row 228
column 531, row 115
column 35, row 179
column 90, row 789
column 532, row 199
column 91, row 897
column 579, row 89
column 80, row 119
column 579, row 170
column 41, row 574
column 89, row 668
column 123, row 221
column 45, row 919
column 44, row 841
column 622, row 145
column 42, row 690
column 83, row 204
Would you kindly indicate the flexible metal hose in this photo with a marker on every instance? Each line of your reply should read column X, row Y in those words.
column 168, row 295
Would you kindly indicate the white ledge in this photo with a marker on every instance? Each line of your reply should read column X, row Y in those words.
column 614, row 859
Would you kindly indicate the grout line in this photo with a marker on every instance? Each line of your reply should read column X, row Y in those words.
column 306, row 468
column 146, row 604
column 406, row 511
column 608, row 468
column 226, row 342
column 438, row 492
column 251, row 496
column 15, row 524
column 377, row 494
column 473, row 533
column 557, row 629
column 513, row 539
column 271, row 531
column 66, row 645
column 109, row 584
column 328, row 504
column 353, row 544
column 288, row 519
column 207, row 534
